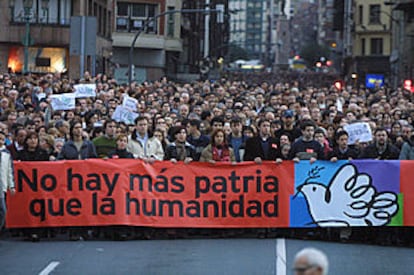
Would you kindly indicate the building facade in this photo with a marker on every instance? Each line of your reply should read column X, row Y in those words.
column 37, row 37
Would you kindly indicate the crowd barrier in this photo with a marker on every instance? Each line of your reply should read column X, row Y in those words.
column 111, row 192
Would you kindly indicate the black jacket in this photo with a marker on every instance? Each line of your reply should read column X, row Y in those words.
column 371, row 152
column 254, row 149
column 171, row 152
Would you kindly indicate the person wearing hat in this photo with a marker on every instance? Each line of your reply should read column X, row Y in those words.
column 288, row 126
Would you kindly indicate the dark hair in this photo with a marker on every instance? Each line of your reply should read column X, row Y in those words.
column 195, row 122
column 380, row 129
column 263, row 120
column 72, row 126
column 177, row 129
column 109, row 120
column 140, row 118
column 307, row 123
column 218, row 119
column 340, row 134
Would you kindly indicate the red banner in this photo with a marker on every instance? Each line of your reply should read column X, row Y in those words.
column 130, row 192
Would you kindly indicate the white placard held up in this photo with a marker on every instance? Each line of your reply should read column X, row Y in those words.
column 85, row 90
column 359, row 131
column 130, row 103
column 123, row 114
column 63, row 101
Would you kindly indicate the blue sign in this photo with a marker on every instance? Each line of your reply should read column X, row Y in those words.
column 374, row 80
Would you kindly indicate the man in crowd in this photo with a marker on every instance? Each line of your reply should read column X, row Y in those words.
column 311, row 261
column 107, row 142
column 380, row 148
column 263, row 146
column 17, row 144
column 306, row 147
column 141, row 145
column 236, row 138
column 196, row 138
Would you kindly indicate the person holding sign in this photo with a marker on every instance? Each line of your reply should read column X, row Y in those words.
column 6, row 177
column 218, row 149
column 342, row 150
column 180, row 149
column 263, row 146
column 121, row 152
column 77, row 147
column 141, row 145
column 306, row 147
column 106, row 143
column 381, row 148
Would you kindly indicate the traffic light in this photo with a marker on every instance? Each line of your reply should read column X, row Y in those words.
column 408, row 85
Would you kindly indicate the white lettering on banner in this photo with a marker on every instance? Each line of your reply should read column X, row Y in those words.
column 85, row 90
column 359, row 131
column 63, row 101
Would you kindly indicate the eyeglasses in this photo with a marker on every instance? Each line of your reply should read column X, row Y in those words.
column 302, row 269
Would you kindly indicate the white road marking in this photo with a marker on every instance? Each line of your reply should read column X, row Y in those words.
column 49, row 268
column 280, row 257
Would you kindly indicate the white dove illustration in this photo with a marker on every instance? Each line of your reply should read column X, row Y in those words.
column 349, row 199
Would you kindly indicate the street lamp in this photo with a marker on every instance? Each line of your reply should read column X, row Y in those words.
column 27, row 16
column 27, row 5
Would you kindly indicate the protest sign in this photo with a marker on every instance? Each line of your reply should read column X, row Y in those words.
column 122, row 114
column 63, row 101
column 130, row 103
column 359, row 131
column 85, row 90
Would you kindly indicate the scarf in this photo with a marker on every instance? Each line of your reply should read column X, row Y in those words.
column 221, row 153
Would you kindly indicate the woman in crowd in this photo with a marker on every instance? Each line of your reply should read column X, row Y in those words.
column 180, row 149
column 121, row 151
column 160, row 135
column 33, row 152
column 218, row 150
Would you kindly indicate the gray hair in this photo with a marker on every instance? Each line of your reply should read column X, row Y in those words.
column 315, row 257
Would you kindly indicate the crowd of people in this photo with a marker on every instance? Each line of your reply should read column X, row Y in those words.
column 294, row 117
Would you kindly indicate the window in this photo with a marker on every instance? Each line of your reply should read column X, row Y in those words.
column 363, row 46
column 132, row 17
column 170, row 23
column 122, row 9
column 374, row 14
column 360, row 14
column 58, row 12
column 376, row 46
